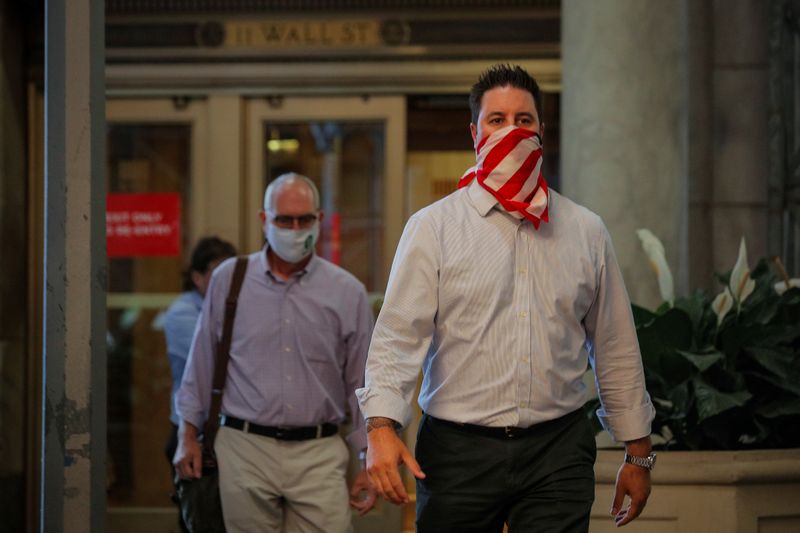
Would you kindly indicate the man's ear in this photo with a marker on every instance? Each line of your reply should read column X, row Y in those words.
column 473, row 129
column 541, row 131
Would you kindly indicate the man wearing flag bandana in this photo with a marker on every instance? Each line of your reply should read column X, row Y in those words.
column 501, row 293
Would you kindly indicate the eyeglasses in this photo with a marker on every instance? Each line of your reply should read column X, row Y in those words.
column 288, row 221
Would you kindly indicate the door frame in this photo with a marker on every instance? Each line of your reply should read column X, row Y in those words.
column 391, row 110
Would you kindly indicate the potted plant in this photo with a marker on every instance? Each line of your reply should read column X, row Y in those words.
column 723, row 373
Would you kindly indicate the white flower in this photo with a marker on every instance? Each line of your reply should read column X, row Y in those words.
column 741, row 284
column 783, row 286
column 722, row 304
column 658, row 261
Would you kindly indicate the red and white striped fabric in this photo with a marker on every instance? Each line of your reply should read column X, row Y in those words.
column 509, row 163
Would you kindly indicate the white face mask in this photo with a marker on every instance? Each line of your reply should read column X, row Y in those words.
column 292, row 245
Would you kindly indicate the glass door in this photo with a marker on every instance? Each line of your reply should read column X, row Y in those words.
column 354, row 149
column 164, row 192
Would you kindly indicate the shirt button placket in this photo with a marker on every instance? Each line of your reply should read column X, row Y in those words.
column 522, row 325
column 526, row 322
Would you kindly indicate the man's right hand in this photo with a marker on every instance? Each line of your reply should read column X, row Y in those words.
column 385, row 452
column 188, row 459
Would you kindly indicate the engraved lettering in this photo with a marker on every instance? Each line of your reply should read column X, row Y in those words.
column 308, row 34
column 348, row 34
column 292, row 35
column 362, row 28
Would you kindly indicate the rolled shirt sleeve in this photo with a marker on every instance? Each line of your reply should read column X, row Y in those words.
column 356, row 346
column 626, row 411
column 405, row 326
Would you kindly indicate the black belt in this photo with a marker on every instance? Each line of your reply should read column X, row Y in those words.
column 509, row 432
column 300, row 433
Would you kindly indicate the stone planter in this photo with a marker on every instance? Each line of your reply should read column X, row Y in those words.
column 715, row 491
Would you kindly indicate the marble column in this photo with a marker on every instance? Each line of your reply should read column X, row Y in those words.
column 73, row 460
column 624, row 142
column 739, row 66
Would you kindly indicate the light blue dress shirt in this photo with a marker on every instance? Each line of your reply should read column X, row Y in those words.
column 180, row 321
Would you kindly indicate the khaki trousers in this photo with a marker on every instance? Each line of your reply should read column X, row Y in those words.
column 270, row 485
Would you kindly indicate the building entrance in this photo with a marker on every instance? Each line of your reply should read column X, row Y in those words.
column 212, row 157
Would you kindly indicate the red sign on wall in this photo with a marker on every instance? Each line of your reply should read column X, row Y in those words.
column 143, row 224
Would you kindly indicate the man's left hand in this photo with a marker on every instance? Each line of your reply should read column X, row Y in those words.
column 362, row 486
column 633, row 481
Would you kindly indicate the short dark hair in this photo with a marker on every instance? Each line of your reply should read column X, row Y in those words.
column 206, row 251
column 502, row 75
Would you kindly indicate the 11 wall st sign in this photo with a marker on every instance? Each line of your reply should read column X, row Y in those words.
column 302, row 34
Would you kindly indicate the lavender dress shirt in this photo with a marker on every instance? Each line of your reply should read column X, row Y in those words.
column 298, row 349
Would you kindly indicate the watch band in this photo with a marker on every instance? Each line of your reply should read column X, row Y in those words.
column 647, row 462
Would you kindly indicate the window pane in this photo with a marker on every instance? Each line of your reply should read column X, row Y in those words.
column 346, row 161
column 142, row 158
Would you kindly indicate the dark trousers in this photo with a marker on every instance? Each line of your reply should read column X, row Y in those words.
column 541, row 481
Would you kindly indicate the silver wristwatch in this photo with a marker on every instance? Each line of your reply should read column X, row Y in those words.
column 645, row 462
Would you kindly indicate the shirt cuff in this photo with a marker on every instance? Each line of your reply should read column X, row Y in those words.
column 628, row 425
column 196, row 419
column 383, row 403
column 357, row 440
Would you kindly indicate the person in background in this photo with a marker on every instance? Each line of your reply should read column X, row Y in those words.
column 297, row 355
column 180, row 321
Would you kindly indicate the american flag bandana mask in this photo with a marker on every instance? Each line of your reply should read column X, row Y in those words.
column 509, row 163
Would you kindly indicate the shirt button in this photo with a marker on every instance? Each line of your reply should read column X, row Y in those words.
column 287, row 321
column 524, row 314
column 522, row 404
column 525, row 360
column 287, row 349
column 289, row 406
column 523, row 270
column 288, row 378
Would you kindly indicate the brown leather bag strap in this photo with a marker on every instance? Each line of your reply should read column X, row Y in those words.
column 223, row 354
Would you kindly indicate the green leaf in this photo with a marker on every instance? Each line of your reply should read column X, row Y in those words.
column 659, row 341
column 778, row 383
column 780, row 408
column 679, row 397
column 711, row 402
column 702, row 361
column 781, row 362
column 775, row 334
column 663, row 308
column 642, row 316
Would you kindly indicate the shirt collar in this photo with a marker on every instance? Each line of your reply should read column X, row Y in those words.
column 482, row 200
column 310, row 267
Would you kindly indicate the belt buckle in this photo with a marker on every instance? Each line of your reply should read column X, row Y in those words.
column 510, row 432
column 279, row 433
column 319, row 431
column 246, row 427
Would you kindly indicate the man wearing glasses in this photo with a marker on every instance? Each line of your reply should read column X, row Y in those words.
column 297, row 356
